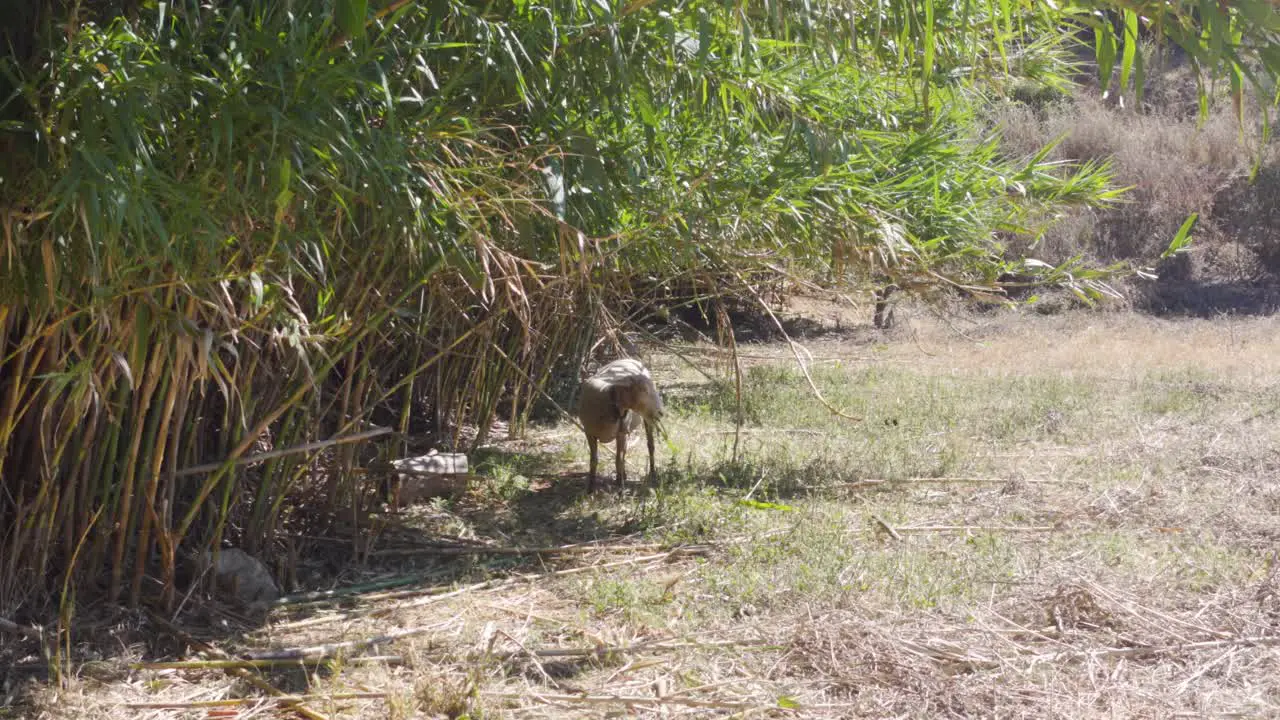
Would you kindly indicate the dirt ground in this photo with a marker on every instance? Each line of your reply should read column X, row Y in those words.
column 1066, row 516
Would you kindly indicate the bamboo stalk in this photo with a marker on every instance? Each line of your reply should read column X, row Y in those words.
column 159, row 438
column 125, row 519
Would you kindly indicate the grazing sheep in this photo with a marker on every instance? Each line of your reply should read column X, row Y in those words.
column 614, row 402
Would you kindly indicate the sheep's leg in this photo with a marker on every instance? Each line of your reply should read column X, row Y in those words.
column 594, row 444
column 648, row 432
column 622, row 453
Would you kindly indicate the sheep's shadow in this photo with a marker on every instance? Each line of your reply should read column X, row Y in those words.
column 552, row 505
column 558, row 508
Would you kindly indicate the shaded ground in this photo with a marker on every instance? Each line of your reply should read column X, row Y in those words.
column 1072, row 516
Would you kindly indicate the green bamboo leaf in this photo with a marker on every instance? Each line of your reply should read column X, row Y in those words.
column 929, row 51
column 996, row 13
column 1214, row 24
column 350, row 15
column 1182, row 239
column 1105, row 50
column 1139, row 79
column 1237, row 95
column 705, row 32
column 1130, row 48
column 1260, row 14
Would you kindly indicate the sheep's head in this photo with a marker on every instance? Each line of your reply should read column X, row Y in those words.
column 640, row 396
column 650, row 404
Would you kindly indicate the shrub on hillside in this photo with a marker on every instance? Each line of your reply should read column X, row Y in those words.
column 1174, row 166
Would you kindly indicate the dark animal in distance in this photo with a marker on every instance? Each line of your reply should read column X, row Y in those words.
column 614, row 402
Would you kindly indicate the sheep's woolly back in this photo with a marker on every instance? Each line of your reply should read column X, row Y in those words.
column 620, row 372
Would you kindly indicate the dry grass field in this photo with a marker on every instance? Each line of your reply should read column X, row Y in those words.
column 1070, row 516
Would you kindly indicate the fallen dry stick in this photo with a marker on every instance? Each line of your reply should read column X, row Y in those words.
column 244, row 673
column 888, row 528
column 259, row 663
column 1246, row 641
column 954, row 481
column 770, row 431
column 607, row 650
column 577, row 549
column 498, row 584
column 486, row 586
column 321, row 652
column 976, row 528
column 952, row 654
column 10, row 626
column 630, row 700
column 236, row 702
column 1132, row 608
